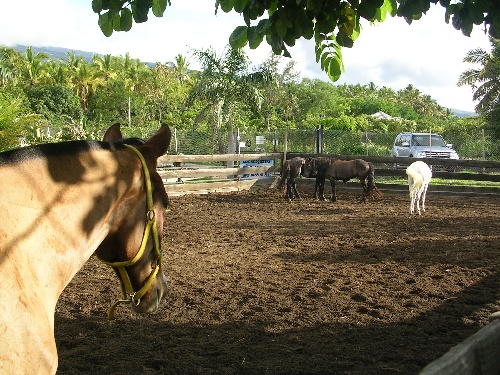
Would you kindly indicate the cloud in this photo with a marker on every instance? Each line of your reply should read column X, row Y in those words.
column 428, row 54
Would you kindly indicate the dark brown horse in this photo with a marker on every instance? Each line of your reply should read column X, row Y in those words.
column 317, row 168
column 344, row 171
column 60, row 204
column 291, row 170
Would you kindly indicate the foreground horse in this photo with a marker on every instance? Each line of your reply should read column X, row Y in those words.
column 291, row 170
column 61, row 203
column 341, row 170
column 419, row 176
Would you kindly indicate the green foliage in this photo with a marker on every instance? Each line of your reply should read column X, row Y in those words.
column 55, row 102
column 333, row 24
column 119, row 15
column 485, row 81
column 79, row 99
column 344, row 143
column 15, row 120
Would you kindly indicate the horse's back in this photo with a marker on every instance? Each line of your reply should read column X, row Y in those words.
column 362, row 164
column 419, row 171
column 346, row 169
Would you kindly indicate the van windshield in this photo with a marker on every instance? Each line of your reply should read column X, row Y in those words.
column 425, row 139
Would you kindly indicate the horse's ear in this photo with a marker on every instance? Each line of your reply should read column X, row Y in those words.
column 159, row 142
column 113, row 134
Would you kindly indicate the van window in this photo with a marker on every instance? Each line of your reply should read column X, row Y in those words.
column 405, row 138
column 425, row 140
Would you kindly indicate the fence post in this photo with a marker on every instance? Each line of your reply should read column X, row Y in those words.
column 484, row 149
column 175, row 140
column 285, row 149
column 318, row 140
column 366, row 141
column 484, row 142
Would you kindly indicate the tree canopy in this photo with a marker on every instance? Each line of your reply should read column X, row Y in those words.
column 332, row 23
column 485, row 80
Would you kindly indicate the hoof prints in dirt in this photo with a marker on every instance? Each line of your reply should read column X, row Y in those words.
column 260, row 285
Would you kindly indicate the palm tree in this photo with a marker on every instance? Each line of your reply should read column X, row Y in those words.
column 223, row 85
column 73, row 60
column 33, row 67
column 485, row 80
column 104, row 65
column 57, row 73
column 181, row 67
column 85, row 80
column 271, row 82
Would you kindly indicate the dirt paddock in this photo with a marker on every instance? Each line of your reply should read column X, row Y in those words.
column 258, row 285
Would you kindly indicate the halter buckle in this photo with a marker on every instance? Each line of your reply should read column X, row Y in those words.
column 133, row 301
column 150, row 215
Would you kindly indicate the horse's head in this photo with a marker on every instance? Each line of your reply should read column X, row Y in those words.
column 309, row 168
column 132, row 246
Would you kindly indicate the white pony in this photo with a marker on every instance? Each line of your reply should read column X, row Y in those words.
column 419, row 176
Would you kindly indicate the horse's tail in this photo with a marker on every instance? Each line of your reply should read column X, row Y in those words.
column 415, row 177
column 373, row 191
column 284, row 175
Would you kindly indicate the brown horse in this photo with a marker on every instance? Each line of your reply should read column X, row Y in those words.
column 342, row 170
column 291, row 170
column 317, row 168
column 61, row 203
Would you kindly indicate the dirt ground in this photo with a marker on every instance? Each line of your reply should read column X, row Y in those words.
column 258, row 285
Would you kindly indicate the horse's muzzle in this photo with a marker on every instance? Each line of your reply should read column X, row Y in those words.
column 150, row 302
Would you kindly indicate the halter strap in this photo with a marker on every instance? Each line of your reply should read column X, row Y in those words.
column 128, row 293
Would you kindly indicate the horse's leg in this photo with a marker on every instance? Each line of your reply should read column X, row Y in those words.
column 288, row 194
column 294, row 187
column 319, row 188
column 362, row 180
column 411, row 188
column 334, row 190
column 316, row 188
column 284, row 175
column 322, row 189
column 423, row 196
column 419, row 196
column 412, row 202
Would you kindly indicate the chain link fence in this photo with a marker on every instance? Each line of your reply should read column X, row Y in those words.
column 479, row 145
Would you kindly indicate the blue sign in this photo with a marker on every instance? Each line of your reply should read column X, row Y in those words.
column 256, row 163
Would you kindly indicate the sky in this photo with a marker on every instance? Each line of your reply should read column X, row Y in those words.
column 427, row 54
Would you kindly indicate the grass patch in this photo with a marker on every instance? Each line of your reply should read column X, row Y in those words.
column 439, row 181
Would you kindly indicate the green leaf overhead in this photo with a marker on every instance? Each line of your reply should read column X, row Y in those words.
column 140, row 10
column 125, row 19
column 283, row 22
column 159, row 7
column 106, row 23
column 238, row 38
column 254, row 37
column 225, row 5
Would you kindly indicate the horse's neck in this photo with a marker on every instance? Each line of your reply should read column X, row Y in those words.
column 55, row 214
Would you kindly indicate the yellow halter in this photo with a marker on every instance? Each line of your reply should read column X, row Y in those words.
column 128, row 294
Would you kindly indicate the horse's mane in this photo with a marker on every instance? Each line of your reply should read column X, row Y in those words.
column 62, row 149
